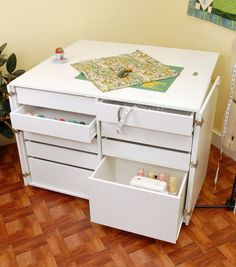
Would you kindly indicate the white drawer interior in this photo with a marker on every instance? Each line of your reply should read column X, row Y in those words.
column 115, row 203
column 57, row 123
column 121, row 171
column 147, row 117
column 58, row 177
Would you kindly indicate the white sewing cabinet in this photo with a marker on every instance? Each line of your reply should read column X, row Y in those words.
column 168, row 132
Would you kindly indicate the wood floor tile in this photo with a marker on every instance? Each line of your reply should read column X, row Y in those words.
column 57, row 245
column 26, row 244
column 151, row 255
column 8, row 257
column 210, row 258
column 44, row 228
column 40, row 256
column 229, row 250
column 181, row 255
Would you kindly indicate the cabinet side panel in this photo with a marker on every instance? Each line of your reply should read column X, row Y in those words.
column 200, row 151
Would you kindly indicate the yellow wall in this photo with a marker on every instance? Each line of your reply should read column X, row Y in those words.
column 34, row 28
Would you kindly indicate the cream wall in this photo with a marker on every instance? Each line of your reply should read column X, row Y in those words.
column 34, row 28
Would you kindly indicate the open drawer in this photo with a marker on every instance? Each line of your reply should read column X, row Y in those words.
column 146, row 117
column 113, row 202
column 56, row 123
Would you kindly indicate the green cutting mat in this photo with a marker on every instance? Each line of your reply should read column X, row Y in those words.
column 158, row 86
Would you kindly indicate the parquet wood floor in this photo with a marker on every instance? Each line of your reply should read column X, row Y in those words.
column 43, row 228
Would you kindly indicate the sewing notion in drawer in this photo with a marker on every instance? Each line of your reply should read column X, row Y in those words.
column 146, row 117
column 147, row 206
column 68, row 125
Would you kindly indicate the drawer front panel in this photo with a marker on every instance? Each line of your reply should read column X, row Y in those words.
column 88, row 147
column 150, row 137
column 147, row 154
column 149, row 213
column 61, row 178
column 154, row 119
column 49, row 126
column 59, row 101
column 62, row 155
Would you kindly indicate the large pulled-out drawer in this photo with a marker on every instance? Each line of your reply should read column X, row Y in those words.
column 113, row 202
column 54, row 123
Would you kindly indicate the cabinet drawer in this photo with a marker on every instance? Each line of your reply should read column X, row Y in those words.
column 115, row 203
column 62, row 155
column 26, row 118
column 56, row 141
column 53, row 100
column 166, row 120
column 57, row 177
column 149, row 137
column 147, row 154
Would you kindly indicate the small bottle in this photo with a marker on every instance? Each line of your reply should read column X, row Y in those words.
column 162, row 176
column 151, row 174
column 172, row 184
column 59, row 55
column 141, row 172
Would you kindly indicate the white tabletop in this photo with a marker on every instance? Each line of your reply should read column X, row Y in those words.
column 186, row 93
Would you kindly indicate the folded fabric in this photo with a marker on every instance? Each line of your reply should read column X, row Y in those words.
column 125, row 70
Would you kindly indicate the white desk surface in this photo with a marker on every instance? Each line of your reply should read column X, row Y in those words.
column 186, row 93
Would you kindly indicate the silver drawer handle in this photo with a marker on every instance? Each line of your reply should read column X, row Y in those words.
column 122, row 114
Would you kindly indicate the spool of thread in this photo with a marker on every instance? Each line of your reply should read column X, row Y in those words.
column 151, row 174
column 141, row 172
column 161, row 176
column 73, row 121
column 172, row 185
column 41, row 116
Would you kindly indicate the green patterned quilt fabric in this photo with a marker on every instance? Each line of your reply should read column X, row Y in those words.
column 221, row 12
column 104, row 72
